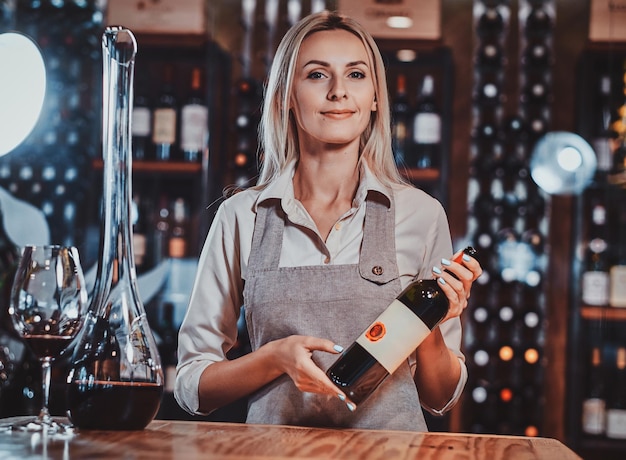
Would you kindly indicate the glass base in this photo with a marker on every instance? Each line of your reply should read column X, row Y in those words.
column 37, row 425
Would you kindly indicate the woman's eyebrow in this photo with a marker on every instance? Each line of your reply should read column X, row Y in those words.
column 327, row 64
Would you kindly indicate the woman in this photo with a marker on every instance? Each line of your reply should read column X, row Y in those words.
column 298, row 250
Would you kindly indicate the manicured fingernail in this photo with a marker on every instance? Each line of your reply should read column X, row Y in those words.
column 437, row 270
column 341, row 397
column 466, row 258
column 338, row 348
column 351, row 406
column 445, row 262
column 441, row 281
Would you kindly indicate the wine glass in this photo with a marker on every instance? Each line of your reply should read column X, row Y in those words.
column 47, row 306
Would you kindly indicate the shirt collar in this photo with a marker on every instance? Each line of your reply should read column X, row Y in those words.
column 282, row 187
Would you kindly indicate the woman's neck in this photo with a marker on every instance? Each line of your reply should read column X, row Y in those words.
column 326, row 185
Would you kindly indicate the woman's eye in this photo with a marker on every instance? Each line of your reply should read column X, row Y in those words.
column 357, row 74
column 316, row 75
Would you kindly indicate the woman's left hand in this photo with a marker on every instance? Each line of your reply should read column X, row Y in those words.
column 457, row 289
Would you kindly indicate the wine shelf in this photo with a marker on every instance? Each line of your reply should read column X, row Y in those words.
column 603, row 313
column 165, row 167
column 422, row 175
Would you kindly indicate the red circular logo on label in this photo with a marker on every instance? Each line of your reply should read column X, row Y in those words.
column 375, row 332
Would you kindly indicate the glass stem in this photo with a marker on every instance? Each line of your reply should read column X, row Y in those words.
column 44, row 414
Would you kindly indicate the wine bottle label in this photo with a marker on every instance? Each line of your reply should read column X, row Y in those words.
column 617, row 292
column 427, row 128
column 139, row 247
column 392, row 337
column 616, row 423
column 164, row 126
column 595, row 288
column 141, row 121
column 594, row 419
column 194, row 122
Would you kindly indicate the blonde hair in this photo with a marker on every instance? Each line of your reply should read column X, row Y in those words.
column 278, row 140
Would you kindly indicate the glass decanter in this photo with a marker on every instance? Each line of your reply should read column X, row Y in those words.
column 116, row 380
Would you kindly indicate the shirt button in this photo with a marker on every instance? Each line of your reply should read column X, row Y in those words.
column 327, row 260
column 337, row 226
column 377, row 270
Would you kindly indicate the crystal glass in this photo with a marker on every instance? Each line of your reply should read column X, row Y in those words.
column 47, row 306
column 116, row 379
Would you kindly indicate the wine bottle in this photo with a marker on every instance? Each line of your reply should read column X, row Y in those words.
column 400, row 119
column 594, row 404
column 490, row 56
column 595, row 278
column 164, row 122
column 601, row 139
column 390, row 339
column 426, row 140
column 177, row 245
column 139, row 234
column 141, row 124
column 617, row 272
column 491, row 22
column 168, row 345
column 194, row 119
column 538, row 23
column 616, row 405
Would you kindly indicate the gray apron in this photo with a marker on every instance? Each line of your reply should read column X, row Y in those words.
column 336, row 302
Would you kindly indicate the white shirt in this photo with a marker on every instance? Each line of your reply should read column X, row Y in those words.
column 209, row 329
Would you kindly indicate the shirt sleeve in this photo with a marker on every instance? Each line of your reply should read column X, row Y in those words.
column 209, row 328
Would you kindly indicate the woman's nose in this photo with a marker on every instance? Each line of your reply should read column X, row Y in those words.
column 337, row 90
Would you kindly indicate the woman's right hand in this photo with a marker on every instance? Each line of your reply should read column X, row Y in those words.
column 294, row 355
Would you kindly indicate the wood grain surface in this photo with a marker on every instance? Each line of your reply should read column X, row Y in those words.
column 164, row 439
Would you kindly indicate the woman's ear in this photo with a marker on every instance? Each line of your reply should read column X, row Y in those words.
column 374, row 106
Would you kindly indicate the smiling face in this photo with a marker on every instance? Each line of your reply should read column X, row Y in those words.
column 333, row 90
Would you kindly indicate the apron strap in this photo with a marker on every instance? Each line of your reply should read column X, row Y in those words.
column 378, row 254
column 268, row 233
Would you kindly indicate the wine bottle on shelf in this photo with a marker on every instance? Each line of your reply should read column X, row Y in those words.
column 194, row 120
column 538, row 23
column 390, row 339
column 490, row 56
column 616, row 404
column 177, row 245
column 489, row 89
column 139, row 234
column 595, row 278
column 601, row 137
column 617, row 272
column 400, row 119
column 141, row 124
column 536, row 56
column 594, row 404
column 162, row 224
column 618, row 127
column 491, row 22
column 165, row 118
column 168, row 345
column 426, row 139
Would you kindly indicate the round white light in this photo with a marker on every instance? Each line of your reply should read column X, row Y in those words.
column 22, row 88
column 569, row 159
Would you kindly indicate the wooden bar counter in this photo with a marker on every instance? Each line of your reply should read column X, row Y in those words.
column 165, row 439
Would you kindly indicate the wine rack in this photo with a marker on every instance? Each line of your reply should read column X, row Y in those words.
column 51, row 169
column 594, row 321
column 505, row 323
column 408, row 65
